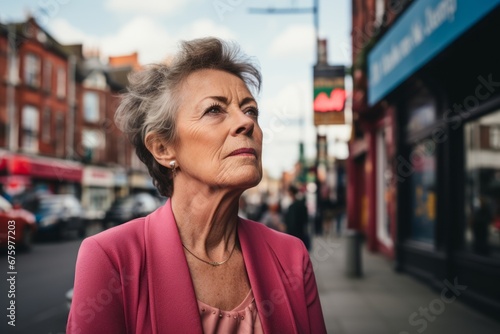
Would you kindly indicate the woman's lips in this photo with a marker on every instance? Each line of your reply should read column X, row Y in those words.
column 244, row 152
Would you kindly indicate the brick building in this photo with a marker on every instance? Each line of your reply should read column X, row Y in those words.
column 56, row 119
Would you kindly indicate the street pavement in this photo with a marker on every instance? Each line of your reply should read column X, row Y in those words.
column 385, row 302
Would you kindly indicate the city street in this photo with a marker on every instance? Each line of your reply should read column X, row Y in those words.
column 43, row 277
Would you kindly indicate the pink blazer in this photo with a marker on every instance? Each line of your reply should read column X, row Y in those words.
column 134, row 278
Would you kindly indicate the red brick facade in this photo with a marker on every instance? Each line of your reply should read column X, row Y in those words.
column 64, row 103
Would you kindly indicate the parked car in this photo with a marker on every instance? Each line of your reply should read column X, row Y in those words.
column 24, row 227
column 130, row 207
column 57, row 214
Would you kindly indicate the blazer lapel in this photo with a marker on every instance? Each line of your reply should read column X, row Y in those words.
column 263, row 272
column 172, row 298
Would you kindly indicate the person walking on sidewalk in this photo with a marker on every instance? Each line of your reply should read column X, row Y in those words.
column 193, row 265
column 296, row 217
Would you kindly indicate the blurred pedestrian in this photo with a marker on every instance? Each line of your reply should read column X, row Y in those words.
column 339, row 215
column 297, row 217
column 194, row 266
column 272, row 218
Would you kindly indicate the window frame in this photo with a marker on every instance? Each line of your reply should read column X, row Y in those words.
column 30, row 128
column 91, row 114
column 32, row 70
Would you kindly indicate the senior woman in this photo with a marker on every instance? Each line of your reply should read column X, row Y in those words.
column 194, row 266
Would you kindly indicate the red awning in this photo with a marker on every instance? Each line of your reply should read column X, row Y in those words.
column 46, row 168
column 56, row 169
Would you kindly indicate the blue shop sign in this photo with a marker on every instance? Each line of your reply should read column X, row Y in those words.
column 426, row 28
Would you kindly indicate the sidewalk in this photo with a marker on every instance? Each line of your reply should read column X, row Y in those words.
column 385, row 302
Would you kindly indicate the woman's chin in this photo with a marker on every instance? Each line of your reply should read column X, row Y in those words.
column 247, row 180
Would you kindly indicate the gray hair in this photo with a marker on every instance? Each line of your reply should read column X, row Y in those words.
column 150, row 104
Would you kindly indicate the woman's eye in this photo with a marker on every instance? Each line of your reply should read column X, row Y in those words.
column 215, row 109
column 252, row 111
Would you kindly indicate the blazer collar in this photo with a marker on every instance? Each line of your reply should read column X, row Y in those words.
column 263, row 266
column 171, row 293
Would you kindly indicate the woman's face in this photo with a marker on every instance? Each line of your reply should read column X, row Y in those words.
column 219, row 141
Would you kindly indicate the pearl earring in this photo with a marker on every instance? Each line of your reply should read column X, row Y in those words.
column 172, row 165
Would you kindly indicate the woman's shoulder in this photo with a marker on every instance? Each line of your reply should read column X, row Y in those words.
column 275, row 239
column 123, row 240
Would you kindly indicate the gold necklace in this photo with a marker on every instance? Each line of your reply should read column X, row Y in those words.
column 212, row 263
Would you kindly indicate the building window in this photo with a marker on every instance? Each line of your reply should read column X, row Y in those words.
column 93, row 143
column 60, row 134
column 47, row 76
column 30, row 124
column 32, row 70
column 91, row 106
column 46, row 118
column 61, row 83
column 482, row 189
column 423, row 192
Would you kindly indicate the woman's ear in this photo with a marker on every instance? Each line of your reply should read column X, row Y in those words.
column 161, row 151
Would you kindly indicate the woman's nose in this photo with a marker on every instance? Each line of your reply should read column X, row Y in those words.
column 244, row 124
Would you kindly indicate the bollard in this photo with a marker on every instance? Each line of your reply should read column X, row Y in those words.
column 353, row 253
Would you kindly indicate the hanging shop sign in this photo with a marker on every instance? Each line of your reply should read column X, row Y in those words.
column 329, row 94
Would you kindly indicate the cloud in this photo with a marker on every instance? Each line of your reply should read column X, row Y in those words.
column 142, row 34
column 147, row 6
column 206, row 27
column 65, row 33
column 296, row 40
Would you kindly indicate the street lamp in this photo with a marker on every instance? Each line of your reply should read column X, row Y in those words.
column 304, row 10
column 294, row 10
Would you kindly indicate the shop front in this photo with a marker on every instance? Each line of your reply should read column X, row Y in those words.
column 21, row 173
column 437, row 68
column 97, row 191
column 141, row 182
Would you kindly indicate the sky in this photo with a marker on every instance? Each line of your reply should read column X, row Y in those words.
column 283, row 46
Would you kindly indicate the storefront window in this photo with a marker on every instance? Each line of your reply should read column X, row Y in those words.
column 421, row 117
column 384, row 189
column 98, row 198
column 423, row 192
column 482, row 191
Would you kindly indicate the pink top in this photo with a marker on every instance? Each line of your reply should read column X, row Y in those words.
column 243, row 319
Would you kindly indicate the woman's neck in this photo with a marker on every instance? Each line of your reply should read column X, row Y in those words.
column 207, row 220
